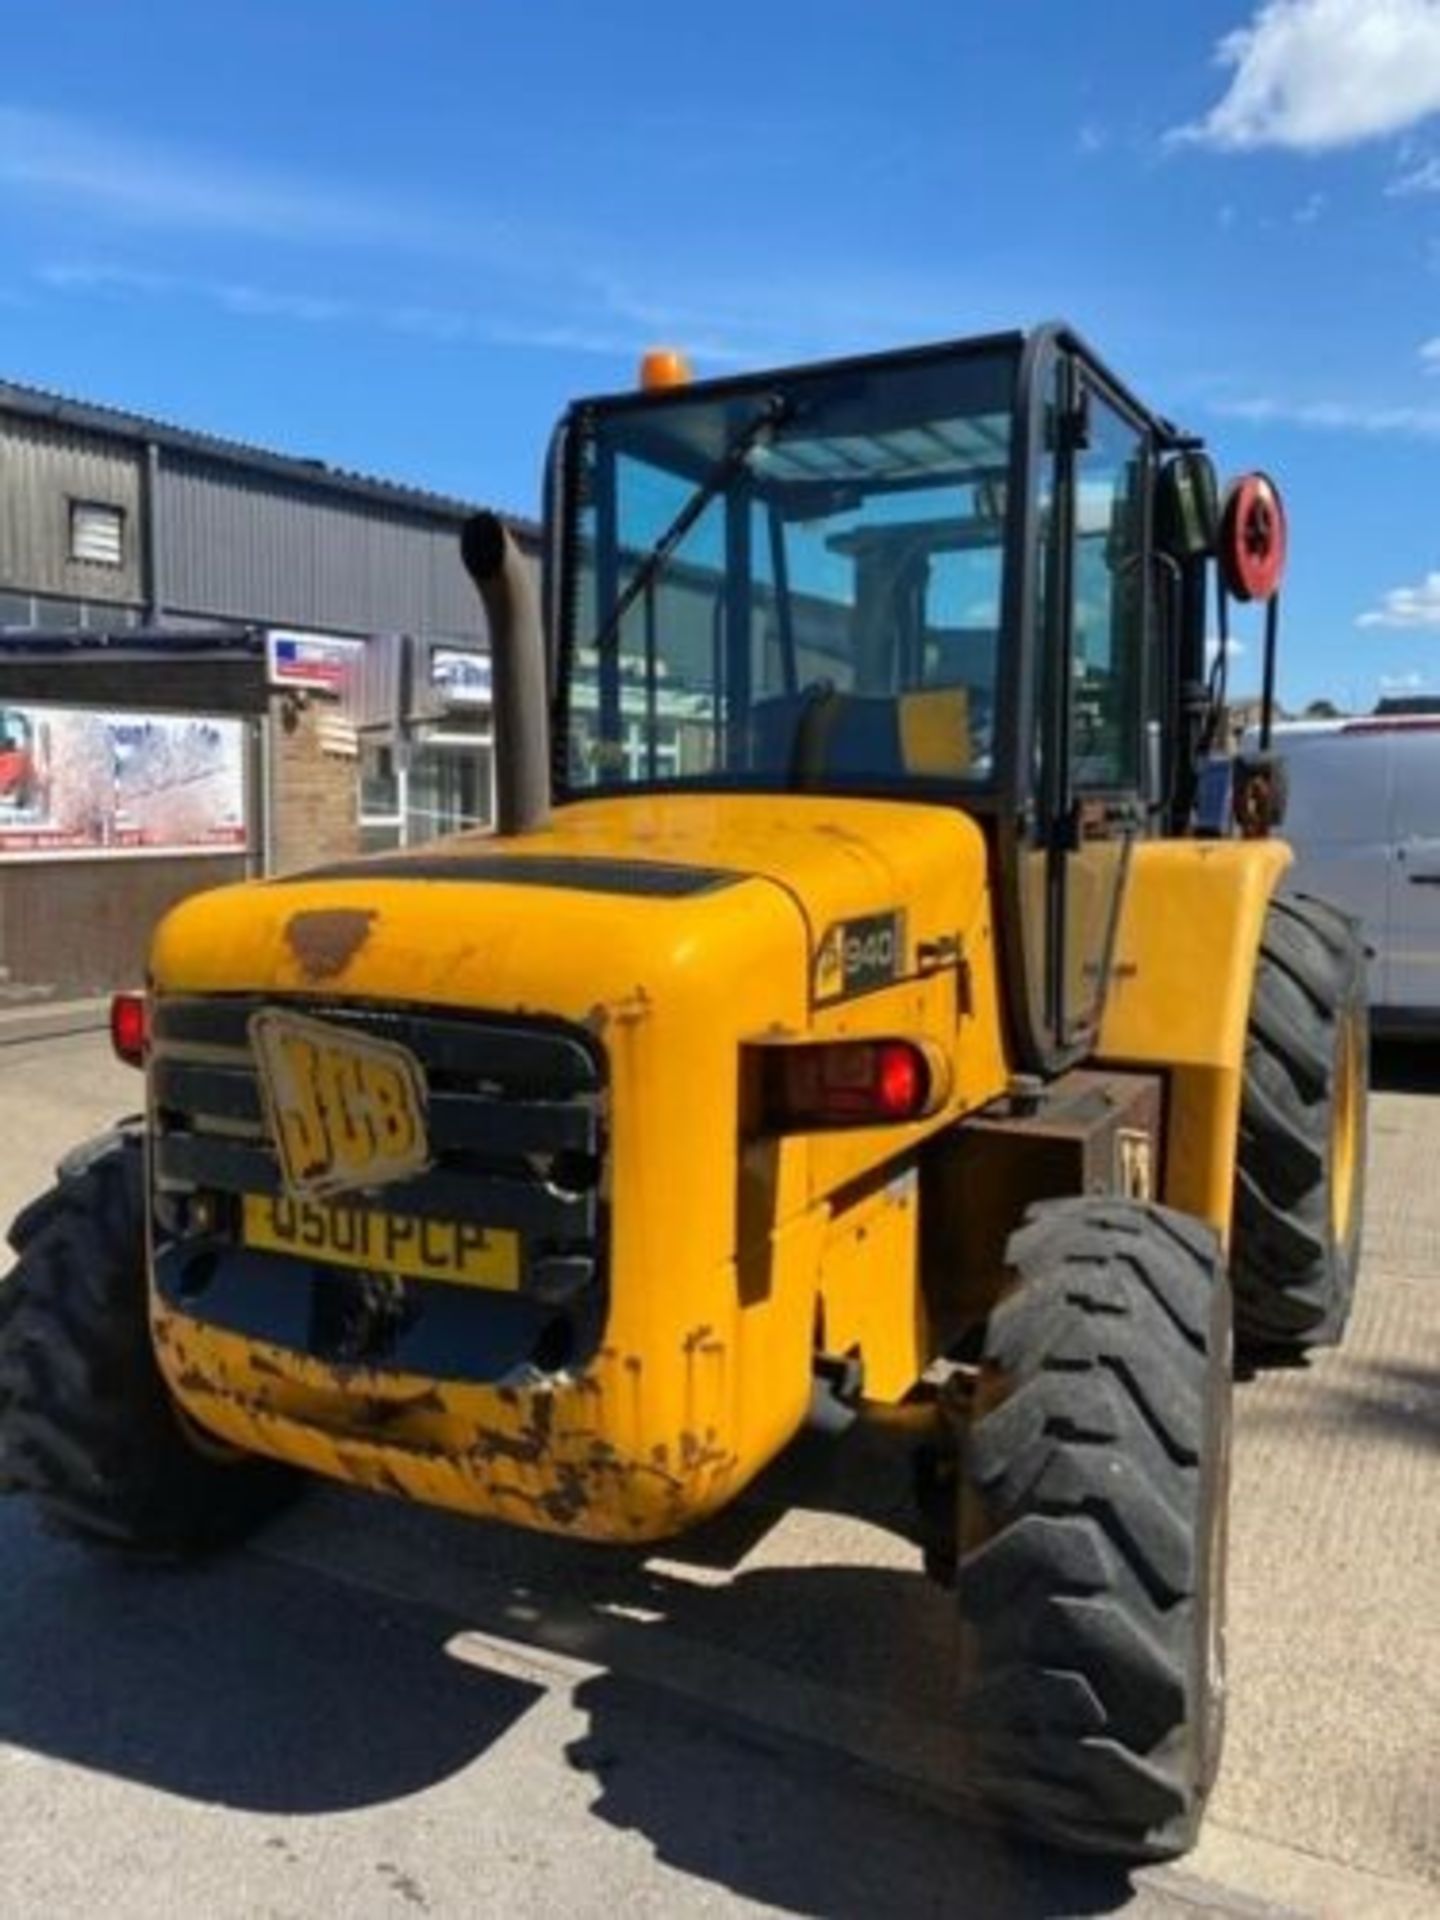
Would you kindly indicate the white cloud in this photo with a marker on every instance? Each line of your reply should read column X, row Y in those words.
column 1314, row 74
column 1423, row 177
column 47, row 157
column 266, row 303
column 251, row 301
column 1413, row 682
column 1309, row 211
column 1234, row 649
column 73, row 276
column 442, row 324
column 235, row 296
column 718, row 328
column 1334, row 416
column 1407, row 606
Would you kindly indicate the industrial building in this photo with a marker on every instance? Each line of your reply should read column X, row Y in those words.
column 112, row 523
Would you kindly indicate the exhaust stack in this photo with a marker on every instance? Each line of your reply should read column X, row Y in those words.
column 519, row 692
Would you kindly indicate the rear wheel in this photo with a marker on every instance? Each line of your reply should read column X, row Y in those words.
column 1093, row 1496
column 1300, row 1170
column 87, row 1426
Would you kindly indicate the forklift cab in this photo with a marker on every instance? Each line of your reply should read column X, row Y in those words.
column 932, row 575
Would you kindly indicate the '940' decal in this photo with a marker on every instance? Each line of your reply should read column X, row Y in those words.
column 856, row 955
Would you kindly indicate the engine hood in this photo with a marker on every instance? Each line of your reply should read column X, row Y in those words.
column 877, row 883
column 613, row 894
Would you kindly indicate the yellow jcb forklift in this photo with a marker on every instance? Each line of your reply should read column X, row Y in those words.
column 845, row 1000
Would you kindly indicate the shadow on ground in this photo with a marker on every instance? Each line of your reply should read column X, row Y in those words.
column 241, row 1683
column 1396, row 1401
column 1404, row 1066
column 271, row 1686
column 809, row 1832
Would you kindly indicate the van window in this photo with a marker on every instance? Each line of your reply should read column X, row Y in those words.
column 1337, row 787
column 1415, row 756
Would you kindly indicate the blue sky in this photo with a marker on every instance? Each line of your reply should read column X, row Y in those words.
column 399, row 237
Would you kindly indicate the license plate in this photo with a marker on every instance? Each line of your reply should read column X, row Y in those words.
column 341, row 1236
column 345, row 1110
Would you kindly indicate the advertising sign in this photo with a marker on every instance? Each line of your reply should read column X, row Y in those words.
column 313, row 660
column 460, row 676
column 78, row 783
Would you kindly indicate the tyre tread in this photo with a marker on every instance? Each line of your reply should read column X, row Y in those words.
column 1085, row 1490
column 1292, row 1284
column 87, row 1427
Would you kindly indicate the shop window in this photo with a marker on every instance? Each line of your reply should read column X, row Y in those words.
column 449, row 788
column 382, row 798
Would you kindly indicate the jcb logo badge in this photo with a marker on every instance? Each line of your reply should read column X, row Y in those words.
column 1135, row 1169
column 856, row 955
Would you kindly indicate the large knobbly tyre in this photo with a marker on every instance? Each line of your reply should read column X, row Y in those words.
column 1093, row 1501
column 1300, row 1170
column 86, row 1425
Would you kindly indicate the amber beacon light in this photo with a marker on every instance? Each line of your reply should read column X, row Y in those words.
column 665, row 367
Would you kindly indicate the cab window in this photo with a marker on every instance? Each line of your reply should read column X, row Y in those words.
column 1109, row 604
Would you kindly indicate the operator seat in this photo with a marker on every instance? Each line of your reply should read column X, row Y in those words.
column 821, row 735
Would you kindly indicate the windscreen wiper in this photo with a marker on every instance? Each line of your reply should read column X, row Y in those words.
column 754, row 433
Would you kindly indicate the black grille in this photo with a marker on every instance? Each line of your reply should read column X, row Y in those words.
column 516, row 1124
column 639, row 879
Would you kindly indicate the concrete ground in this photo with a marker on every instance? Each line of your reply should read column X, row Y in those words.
column 378, row 1710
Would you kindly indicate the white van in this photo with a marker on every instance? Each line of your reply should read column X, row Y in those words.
column 1364, row 820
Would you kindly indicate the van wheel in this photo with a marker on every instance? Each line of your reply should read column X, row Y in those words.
column 1300, row 1171
column 1093, row 1502
column 87, row 1426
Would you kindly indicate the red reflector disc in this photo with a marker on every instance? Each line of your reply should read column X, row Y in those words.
column 1252, row 538
column 129, row 1027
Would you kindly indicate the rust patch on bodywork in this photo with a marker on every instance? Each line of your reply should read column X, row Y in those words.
column 325, row 940
column 701, row 1340
column 551, row 1459
column 528, row 1446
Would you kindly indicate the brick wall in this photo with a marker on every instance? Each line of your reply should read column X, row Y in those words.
column 83, row 926
column 315, row 804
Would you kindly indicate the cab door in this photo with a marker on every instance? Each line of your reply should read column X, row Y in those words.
column 1095, row 662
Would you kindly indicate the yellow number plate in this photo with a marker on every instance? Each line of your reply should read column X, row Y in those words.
column 342, row 1236
column 345, row 1110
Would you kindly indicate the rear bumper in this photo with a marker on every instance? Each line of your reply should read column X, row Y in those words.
column 637, row 1446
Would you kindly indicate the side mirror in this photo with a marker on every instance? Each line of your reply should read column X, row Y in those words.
column 1187, row 506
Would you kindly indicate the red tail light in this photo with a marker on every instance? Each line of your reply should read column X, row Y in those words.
column 847, row 1083
column 130, row 1027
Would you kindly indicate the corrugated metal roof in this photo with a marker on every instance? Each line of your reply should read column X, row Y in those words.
column 37, row 403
